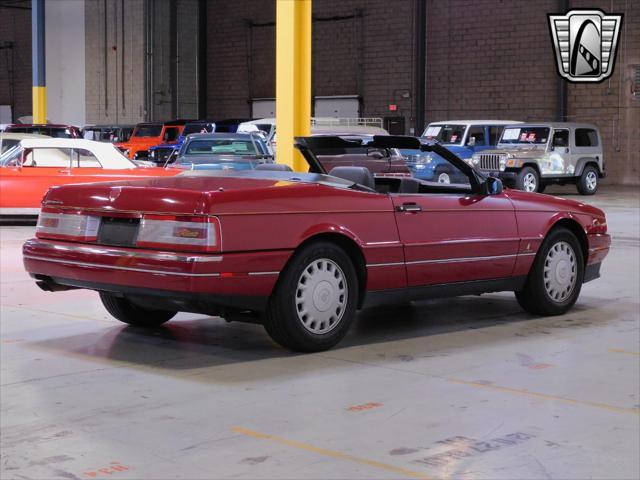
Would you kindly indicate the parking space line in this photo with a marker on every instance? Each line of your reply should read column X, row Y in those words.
column 331, row 453
column 544, row 396
column 625, row 352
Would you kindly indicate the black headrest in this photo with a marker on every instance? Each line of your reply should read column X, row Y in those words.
column 275, row 167
column 359, row 175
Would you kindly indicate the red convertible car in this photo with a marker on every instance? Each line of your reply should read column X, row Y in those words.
column 301, row 252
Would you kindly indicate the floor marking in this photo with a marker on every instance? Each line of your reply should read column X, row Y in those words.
column 365, row 406
column 543, row 396
column 625, row 352
column 331, row 453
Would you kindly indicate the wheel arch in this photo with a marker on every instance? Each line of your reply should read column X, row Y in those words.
column 583, row 162
column 349, row 243
column 533, row 165
column 574, row 227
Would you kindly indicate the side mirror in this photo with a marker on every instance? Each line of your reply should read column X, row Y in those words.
column 472, row 142
column 551, row 148
column 492, row 186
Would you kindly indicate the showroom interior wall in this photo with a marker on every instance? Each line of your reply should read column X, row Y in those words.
column 355, row 52
column 481, row 61
column 65, row 58
column 498, row 63
column 141, row 60
column 15, row 57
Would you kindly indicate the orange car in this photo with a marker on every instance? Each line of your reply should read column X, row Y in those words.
column 31, row 167
column 147, row 135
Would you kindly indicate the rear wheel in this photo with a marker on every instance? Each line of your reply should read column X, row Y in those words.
column 528, row 180
column 127, row 312
column 315, row 300
column 588, row 183
column 555, row 279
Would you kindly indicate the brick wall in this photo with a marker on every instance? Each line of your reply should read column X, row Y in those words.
column 494, row 59
column 380, row 41
column 114, row 88
column 15, row 26
column 610, row 104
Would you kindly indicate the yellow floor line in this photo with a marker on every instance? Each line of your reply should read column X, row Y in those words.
column 331, row 453
column 625, row 352
column 543, row 396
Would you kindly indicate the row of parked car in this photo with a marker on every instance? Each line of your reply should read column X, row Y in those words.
column 525, row 156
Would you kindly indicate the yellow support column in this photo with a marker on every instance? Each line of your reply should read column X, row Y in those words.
column 293, row 79
column 39, row 99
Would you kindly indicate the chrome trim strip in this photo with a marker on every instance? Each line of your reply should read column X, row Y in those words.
column 450, row 260
column 263, row 273
column 393, row 264
column 112, row 252
column 116, row 267
column 461, row 259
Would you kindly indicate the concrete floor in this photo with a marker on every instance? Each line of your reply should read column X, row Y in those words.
column 459, row 388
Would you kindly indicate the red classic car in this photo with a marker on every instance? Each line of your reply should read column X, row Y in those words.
column 301, row 252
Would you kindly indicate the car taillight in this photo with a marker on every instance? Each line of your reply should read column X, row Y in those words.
column 67, row 226
column 180, row 233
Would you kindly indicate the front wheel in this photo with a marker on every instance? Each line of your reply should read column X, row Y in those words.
column 528, row 180
column 588, row 183
column 128, row 312
column 315, row 300
column 443, row 176
column 555, row 279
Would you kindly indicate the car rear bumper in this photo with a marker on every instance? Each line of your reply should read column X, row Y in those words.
column 238, row 280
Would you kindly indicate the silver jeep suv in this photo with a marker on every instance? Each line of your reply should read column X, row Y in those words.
column 531, row 156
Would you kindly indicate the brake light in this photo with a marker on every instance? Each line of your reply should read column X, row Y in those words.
column 67, row 226
column 180, row 233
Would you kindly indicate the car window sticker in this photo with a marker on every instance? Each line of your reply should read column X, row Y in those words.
column 432, row 131
column 511, row 133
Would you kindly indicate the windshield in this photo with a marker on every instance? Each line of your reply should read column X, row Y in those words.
column 148, row 131
column 7, row 144
column 451, row 134
column 12, row 157
column 525, row 135
column 222, row 146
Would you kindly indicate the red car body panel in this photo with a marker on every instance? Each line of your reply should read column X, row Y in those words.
column 454, row 238
column 24, row 187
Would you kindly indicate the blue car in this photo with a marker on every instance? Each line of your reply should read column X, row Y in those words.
column 462, row 137
column 164, row 153
column 222, row 151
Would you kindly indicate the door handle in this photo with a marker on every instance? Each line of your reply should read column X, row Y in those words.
column 409, row 207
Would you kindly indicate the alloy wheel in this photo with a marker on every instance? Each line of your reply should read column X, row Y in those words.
column 321, row 296
column 591, row 180
column 530, row 183
column 444, row 178
column 560, row 271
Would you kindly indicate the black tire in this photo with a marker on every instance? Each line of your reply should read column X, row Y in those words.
column 524, row 176
column 282, row 320
column 535, row 297
column 541, row 187
column 127, row 312
column 589, row 180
